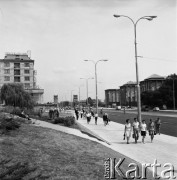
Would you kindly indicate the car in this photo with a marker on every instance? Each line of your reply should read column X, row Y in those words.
column 118, row 107
column 156, row 109
column 145, row 108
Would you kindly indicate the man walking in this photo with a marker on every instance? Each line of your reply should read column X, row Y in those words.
column 135, row 126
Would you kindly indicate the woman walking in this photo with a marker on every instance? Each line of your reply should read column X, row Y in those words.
column 143, row 130
column 157, row 125
column 151, row 128
column 88, row 117
column 127, row 131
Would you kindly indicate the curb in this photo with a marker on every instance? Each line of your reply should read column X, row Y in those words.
column 85, row 130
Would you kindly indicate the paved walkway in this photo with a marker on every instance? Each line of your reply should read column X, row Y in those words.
column 164, row 147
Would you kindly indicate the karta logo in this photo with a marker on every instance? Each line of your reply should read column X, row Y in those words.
column 111, row 168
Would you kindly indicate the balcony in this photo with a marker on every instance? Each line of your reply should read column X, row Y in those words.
column 16, row 65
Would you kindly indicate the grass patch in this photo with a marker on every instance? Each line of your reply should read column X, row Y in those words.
column 57, row 155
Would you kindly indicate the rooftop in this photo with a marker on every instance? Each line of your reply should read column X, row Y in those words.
column 155, row 76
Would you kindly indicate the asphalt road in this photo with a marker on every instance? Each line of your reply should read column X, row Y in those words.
column 168, row 119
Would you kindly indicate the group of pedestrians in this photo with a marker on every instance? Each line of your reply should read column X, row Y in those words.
column 53, row 113
column 142, row 128
column 86, row 114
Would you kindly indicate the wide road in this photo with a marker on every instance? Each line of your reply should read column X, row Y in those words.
column 168, row 119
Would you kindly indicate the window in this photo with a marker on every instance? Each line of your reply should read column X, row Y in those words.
column 27, row 78
column 6, row 64
column 27, row 64
column 16, row 65
column 6, row 78
column 26, row 71
column 17, row 79
column 16, row 72
column 6, row 71
column 27, row 85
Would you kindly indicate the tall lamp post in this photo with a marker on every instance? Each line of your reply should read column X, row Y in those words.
column 150, row 18
column 87, row 86
column 96, row 80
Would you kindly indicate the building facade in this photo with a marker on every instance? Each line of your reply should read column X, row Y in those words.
column 112, row 97
column 152, row 83
column 128, row 94
column 19, row 68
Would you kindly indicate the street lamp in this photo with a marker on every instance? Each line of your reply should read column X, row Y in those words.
column 96, row 80
column 87, row 86
column 150, row 18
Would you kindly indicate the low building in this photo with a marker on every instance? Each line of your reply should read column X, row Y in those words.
column 128, row 94
column 152, row 83
column 112, row 97
column 19, row 68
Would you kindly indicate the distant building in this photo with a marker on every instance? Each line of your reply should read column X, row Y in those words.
column 55, row 98
column 19, row 68
column 152, row 83
column 128, row 94
column 112, row 97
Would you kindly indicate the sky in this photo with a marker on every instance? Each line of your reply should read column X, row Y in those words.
column 61, row 34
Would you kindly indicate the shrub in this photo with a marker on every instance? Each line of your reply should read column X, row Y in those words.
column 58, row 120
column 8, row 124
column 17, row 111
column 69, row 121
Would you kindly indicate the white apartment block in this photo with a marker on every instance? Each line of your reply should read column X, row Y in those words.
column 19, row 68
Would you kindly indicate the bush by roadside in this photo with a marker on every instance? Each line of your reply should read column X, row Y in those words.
column 66, row 121
column 8, row 123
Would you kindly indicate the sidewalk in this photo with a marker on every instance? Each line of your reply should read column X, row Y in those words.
column 163, row 148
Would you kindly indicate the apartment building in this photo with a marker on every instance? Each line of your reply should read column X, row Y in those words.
column 128, row 94
column 112, row 97
column 152, row 83
column 19, row 68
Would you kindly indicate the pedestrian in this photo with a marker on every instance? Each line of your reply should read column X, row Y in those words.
column 135, row 126
column 143, row 130
column 92, row 113
column 127, row 130
column 101, row 111
column 151, row 128
column 81, row 113
column 124, row 110
column 88, row 117
column 56, row 113
column 105, row 118
column 96, row 117
column 51, row 113
column 157, row 125
column 77, row 114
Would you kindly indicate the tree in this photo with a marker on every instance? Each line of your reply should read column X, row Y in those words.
column 14, row 94
column 90, row 101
